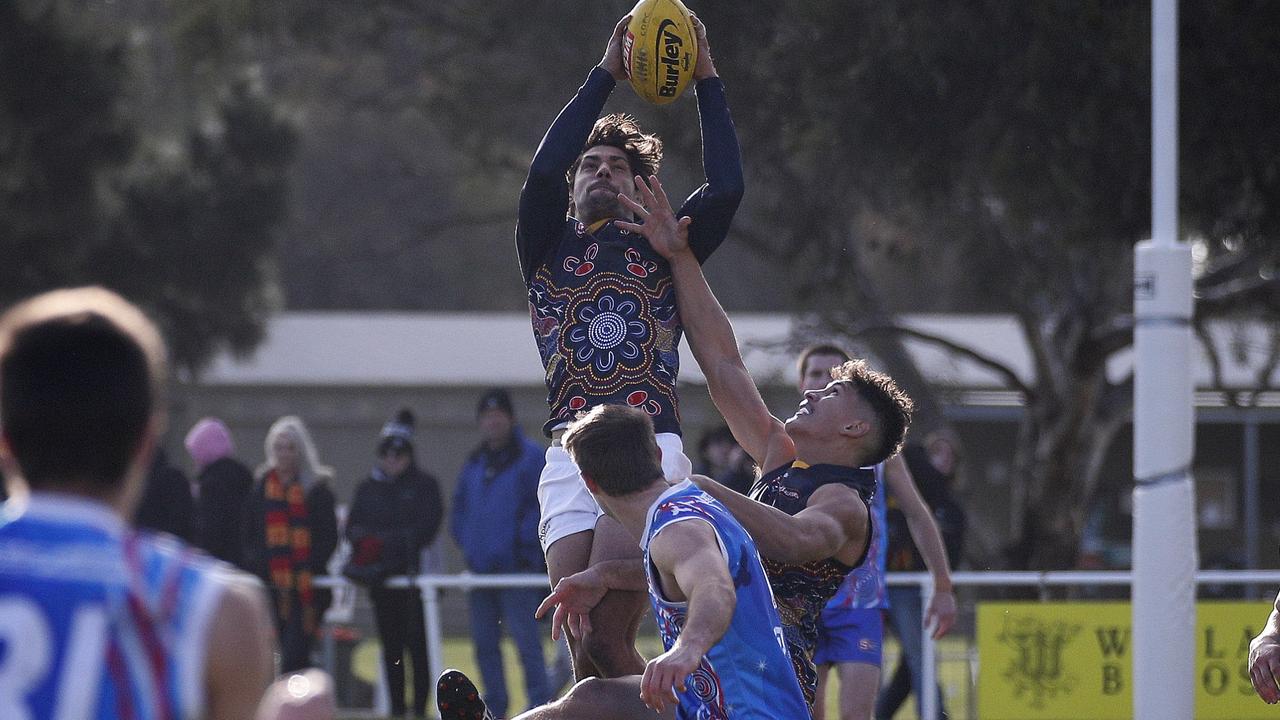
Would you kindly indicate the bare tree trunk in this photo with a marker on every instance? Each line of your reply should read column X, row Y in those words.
column 1061, row 446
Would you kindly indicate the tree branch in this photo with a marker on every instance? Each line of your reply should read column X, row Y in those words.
column 1215, row 358
column 1235, row 293
column 1004, row 371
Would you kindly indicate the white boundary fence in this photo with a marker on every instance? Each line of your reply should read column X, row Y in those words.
column 428, row 584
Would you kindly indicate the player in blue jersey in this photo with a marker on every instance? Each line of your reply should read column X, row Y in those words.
column 809, row 511
column 851, row 627
column 725, row 657
column 97, row 620
column 604, row 312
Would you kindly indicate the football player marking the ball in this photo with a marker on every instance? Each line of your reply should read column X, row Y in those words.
column 809, row 511
column 724, row 654
column 604, row 312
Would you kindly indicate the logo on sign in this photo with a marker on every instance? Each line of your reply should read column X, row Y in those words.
column 1037, row 670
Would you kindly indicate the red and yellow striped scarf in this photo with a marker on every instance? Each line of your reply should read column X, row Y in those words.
column 289, row 547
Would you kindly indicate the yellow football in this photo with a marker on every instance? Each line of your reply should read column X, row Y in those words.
column 660, row 49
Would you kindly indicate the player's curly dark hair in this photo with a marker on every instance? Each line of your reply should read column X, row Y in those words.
column 644, row 151
column 892, row 406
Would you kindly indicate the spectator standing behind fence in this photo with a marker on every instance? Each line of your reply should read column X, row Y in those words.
column 495, row 522
column 223, row 485
column 290, row 533
column 166, row 503
column 932, row 467
column 395, row 514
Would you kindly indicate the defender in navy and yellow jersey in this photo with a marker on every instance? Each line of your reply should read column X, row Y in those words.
column 726, row 657
column 808, row 513
column 603, row 309
column 851, row 627
column 98, row 621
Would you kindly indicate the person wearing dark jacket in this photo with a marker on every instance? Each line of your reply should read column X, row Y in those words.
column 224, row 484
column 166, row 504
column 495, row 523
column 395, row 514
column 290, row 532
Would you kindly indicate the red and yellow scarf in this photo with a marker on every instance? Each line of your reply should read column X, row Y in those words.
column 289, row 547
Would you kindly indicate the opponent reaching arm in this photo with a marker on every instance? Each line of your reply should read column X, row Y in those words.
column 832, row 524
column 711, row 336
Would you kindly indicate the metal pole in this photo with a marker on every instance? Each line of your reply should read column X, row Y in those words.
column 928, row 696
column 1164, row 122
column 1164, row 520
column 1251, row 499
column 431, row 617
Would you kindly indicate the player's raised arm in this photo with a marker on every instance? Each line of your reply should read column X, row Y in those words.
column 688, row 558
column 713, row 205
column 941, row 614
column 544, row 199
column 710, row 334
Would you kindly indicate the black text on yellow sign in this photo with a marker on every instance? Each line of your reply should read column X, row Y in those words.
column 1072, row 660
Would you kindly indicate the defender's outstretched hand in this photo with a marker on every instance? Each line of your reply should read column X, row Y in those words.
column 658, row 225
column 612, row 60
column 573, row 598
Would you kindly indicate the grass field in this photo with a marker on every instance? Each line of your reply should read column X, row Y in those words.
column 953, row 671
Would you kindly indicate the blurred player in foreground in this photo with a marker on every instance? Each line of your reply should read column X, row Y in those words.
column 98, row 620
column 725, row 656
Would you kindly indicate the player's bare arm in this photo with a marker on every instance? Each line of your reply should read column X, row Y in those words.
column 240, row 663
column 833, row 524
column 1264, row 658
column 692, row 568
column 710, row 333
column 941, row 613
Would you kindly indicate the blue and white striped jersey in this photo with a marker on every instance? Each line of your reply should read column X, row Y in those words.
column 748, row 673
column 97, row 620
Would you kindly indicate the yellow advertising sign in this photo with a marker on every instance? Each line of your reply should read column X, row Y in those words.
column 1073, row 660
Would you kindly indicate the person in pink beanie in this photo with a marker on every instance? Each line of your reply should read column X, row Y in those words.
column 224, row 484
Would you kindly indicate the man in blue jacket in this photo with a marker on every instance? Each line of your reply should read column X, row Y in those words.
column 495, row 522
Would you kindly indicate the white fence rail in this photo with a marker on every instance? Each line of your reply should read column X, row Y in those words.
column 428, row 584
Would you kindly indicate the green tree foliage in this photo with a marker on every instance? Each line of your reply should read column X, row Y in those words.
column 1006, row 148
column 186, row 230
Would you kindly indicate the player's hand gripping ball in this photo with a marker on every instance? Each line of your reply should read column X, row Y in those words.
column 660, row 50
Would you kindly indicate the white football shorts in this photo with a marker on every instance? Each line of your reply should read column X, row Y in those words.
column 566, row 504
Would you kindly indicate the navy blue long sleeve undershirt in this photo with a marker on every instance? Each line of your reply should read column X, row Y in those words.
column 544, row 200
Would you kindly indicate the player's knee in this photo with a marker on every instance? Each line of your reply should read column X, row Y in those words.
column 608, row 652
